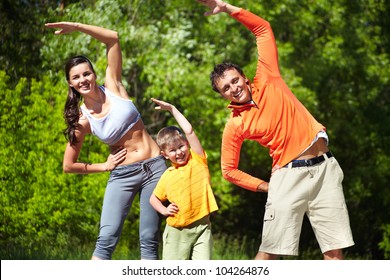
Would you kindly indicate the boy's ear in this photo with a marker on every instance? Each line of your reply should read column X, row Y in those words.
column 164, row 154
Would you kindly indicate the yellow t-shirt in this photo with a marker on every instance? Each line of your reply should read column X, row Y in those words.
column 189, row 187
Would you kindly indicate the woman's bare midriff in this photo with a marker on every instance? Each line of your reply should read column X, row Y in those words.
column 138, row 143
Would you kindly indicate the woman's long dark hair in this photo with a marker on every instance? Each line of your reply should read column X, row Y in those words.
column 72, row 104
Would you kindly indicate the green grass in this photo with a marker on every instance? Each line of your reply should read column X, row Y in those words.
column 234, row 248
column 225, row 248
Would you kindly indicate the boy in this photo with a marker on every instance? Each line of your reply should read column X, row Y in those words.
column 186, row 185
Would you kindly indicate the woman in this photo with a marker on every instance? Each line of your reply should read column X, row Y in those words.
column 135, row 162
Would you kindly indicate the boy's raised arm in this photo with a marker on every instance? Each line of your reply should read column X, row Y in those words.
column 185, row 125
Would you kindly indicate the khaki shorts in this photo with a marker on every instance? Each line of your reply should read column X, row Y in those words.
column 193, row 242
column 315, row 191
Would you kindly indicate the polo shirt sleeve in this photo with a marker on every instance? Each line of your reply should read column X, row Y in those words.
column 265, row 40
column 201, row 158
column 160, row 189
column 232, row 140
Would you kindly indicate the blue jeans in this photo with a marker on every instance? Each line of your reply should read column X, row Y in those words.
column 124, row 183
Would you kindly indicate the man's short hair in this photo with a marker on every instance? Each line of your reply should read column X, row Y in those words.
column 219, row 72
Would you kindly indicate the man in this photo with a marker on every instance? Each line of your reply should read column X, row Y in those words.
column 306, row 178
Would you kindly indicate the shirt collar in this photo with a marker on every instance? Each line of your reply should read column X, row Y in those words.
column 237, row 108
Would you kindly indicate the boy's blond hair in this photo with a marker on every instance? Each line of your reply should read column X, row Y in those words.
column 169, row 135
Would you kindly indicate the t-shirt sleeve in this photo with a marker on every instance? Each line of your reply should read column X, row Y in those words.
column 160, row 189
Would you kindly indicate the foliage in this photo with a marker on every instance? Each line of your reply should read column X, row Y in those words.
column 333, row 54
column 385, row 243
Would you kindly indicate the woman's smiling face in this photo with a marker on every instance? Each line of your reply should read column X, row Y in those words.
column 82, row 78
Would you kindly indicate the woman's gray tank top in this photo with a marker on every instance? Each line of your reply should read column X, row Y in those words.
column 119, row 120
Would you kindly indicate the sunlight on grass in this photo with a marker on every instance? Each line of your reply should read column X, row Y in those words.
column 225, row 248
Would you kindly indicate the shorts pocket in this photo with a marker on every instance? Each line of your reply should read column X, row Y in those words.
column 269, row 214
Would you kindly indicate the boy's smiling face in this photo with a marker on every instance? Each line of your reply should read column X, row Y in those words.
column 177, row 152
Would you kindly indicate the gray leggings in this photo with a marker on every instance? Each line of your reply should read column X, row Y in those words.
column 123, row 185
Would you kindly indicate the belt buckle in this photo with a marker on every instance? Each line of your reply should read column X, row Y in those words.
column 307, row 162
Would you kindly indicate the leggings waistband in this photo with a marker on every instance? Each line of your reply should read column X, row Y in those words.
column 140, row 163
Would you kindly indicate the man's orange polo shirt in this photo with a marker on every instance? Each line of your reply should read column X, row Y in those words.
column 276, row 119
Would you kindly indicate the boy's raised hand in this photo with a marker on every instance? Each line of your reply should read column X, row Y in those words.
column 162, row 105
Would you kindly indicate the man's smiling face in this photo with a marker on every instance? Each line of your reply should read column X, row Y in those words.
column 234, row 87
